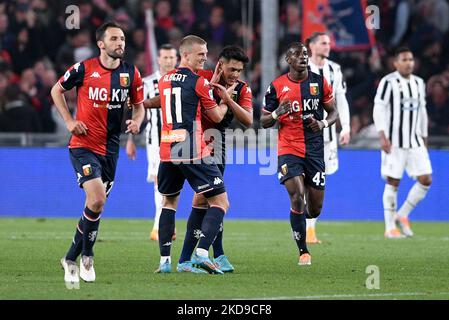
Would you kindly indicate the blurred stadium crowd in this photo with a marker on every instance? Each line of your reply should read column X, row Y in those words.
column 36, row 48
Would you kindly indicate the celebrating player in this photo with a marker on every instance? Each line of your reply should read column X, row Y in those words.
column 232, row 60
column 400, row 118
column 184, row 97
column 297, row 100
column 103, row 86
column 167, row 60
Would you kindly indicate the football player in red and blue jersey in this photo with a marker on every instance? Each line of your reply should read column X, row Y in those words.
column 231, row 63
column 185, row 97
column 296, row 101
column 103, row 85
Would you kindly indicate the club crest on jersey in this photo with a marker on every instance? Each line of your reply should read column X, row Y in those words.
column 124, row 79
column 284, row 169
column 87, row 170
column 314, row 91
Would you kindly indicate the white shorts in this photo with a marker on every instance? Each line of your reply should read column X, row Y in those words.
column 331, row 156
column 414, row 160
column 153, row 162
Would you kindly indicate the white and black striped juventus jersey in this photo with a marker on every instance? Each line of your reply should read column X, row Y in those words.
column 400, row 110
column 331, row 71
column 154, row 116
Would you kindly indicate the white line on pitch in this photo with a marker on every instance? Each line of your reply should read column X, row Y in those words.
column 330, row 296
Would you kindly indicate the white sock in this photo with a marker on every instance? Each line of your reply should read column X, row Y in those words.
column 158, row 205
column 415, row 195
column 164, row 259
column 390, row 199
column 202, row 252
column 311, row 223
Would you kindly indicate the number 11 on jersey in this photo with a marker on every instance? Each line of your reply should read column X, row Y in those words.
column 168, row 92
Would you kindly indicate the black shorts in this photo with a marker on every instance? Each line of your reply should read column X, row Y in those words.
column 89, row 165
column 312, row 168
column 204, row 178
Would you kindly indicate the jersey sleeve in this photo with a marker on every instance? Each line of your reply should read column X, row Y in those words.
column 270, row 100
column 328, row 96
column 381, row 102
column 383, row 93
column 207, row 74
column 205, row 93
column 340, row 85
column 423, row 118
column 137, row 88
column 341, row 102
column 73, row 77
column 246, row 97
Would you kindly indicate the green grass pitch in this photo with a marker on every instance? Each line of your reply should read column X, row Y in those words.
column 263, row 253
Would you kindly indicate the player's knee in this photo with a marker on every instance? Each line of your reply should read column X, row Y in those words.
column 315, row 210
column 227, row 205
column 425, row 180
column 170, row 202
column 97, row 203
column 220, row 200
column 297, row 200
column 199, row 201
column 224, row 203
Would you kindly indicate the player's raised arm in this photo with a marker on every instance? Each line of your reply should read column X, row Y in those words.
column 213, row 111
column 243, row 113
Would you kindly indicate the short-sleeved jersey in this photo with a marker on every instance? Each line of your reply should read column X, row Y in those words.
column 101, row 97
column 307, row 98
column 184, row 96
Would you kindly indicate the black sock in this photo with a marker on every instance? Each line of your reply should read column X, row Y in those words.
column 166, row 230
column 193, row 233
column 77, row 242
column 217, row 245
column 90, row 230
column 210, row 226
column 298, row 223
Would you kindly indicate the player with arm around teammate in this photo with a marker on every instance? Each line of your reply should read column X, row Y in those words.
column 232, row 60
column 185, row 96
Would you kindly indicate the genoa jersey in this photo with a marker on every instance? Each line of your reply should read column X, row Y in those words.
column 102, row 95
column 307, row 98
column 184, row 96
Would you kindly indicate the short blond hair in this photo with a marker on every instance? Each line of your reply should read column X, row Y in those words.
column 188, row 41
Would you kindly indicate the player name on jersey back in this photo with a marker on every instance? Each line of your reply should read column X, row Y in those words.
column 184, row 96
column 174, row 77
